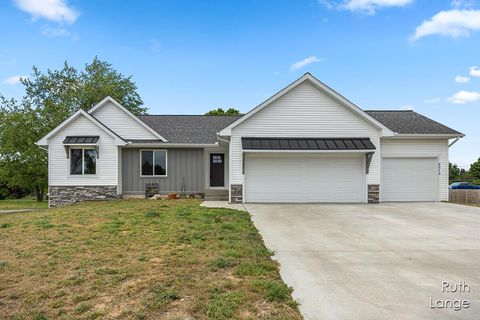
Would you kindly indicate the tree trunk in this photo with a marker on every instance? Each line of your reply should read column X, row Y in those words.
column 39, row 193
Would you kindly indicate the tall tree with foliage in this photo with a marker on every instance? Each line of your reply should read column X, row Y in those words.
column 475, row 169
column 221, row 112
column 453, row 171
column 49, row 99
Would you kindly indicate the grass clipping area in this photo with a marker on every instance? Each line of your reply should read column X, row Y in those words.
column 138, row 259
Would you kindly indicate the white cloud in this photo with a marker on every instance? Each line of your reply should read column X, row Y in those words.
column 474, row 72
column 406, row 108
column 370, row 6
column 53, row 10
column 462, row 3
column 432, row 100
column 461, row 79
column 453, row 23
column 463, row 97
column 13, row 80
column 364, row 6
column 55, row 32
column 302, row 63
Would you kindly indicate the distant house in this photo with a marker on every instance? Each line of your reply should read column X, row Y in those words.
column 306, row 143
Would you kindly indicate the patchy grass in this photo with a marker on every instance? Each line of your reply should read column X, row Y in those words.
column 138, row 259
column 25, row 203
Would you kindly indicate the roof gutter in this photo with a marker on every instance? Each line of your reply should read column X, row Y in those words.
column 425, row 136
column 171, row 145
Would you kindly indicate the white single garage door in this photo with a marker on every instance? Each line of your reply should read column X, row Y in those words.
column 305, row 178
column 409, row 179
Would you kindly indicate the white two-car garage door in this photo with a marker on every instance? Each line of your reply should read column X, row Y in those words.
column 305, row 178
column 409, row 179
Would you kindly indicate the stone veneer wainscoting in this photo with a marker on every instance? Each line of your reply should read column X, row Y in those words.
column 373, row 193
column 64, row 195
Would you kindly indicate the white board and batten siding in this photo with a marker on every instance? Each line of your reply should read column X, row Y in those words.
column 425, row 164
column 59, row 165
column 304, row 111
column 121, row 123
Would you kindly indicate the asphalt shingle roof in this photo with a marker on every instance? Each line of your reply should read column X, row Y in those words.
column 203, row 129
column 187, row 128
column 409, row 122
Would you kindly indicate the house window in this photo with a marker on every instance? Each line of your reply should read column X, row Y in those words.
column 153, row 162
column 217, row 158
column 83, row 161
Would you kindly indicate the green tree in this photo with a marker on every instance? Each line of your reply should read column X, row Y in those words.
column 475, row 169
column 453, row 171
column 221, row 112
column 49, row 99
column 22, row 163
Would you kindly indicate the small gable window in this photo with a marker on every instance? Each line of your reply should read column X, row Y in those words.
column 153, row 163
column 83, row 161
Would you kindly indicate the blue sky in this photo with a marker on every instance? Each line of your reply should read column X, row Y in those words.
column 190, row 56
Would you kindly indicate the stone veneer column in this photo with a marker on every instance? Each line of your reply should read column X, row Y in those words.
column 236, row 193
column 64, row 195
column 373, row 193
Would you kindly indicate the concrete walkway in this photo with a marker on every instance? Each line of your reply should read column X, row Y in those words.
column 222, row 204
column 382, row 261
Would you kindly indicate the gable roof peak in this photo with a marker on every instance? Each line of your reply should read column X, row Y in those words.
column 102, row 103
column 44, row 140
column 128, row 112
column 323, row 88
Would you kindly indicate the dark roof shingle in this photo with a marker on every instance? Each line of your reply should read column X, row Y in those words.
column 202, row 129
column 409, row 122
column 188, row 128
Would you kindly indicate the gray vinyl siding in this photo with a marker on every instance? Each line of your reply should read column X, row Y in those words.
column 181, row 163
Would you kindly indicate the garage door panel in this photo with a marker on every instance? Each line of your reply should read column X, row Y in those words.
column 304, row 178
column 409, row 179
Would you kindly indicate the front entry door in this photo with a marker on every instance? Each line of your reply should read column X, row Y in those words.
column 217, row 170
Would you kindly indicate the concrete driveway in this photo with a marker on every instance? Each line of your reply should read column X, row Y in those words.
column 382, row 261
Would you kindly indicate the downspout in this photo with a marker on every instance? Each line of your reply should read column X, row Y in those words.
column 218, row 137
column 454, row 141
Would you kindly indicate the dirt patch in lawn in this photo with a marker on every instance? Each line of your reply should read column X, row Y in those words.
column 138, row 259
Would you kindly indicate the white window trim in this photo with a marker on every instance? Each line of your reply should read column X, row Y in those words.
column 83, row 148
column 153, row 156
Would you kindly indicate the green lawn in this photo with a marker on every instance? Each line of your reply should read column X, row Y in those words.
column 25, row 203
column 138, row 259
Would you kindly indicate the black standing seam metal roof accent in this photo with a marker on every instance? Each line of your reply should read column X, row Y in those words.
column 80, row 139
column 307, row 144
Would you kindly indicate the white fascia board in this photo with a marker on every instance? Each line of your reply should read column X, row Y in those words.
column 424, row 136
column 171, row 145
column 134, row 117
column 44, row 141
column 309, row 151
column 324, row 88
